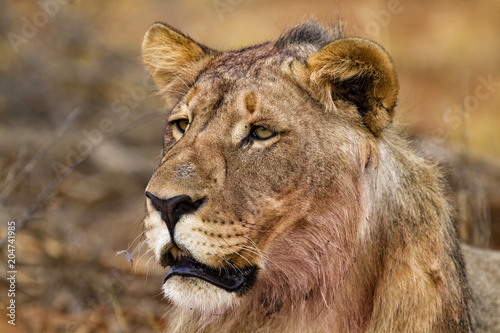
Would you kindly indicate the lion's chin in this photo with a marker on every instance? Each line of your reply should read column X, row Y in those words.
column 196, row 294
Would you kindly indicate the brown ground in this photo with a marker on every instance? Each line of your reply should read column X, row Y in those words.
column 86, row 56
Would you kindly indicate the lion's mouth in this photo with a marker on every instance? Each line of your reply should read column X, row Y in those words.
column 231, row 279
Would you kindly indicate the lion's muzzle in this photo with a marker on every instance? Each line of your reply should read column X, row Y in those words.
column 229, row 278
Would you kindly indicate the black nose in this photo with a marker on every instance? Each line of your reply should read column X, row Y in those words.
column 173, row 208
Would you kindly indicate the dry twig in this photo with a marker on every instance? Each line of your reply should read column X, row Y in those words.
column 38, row 156
column 42, row 197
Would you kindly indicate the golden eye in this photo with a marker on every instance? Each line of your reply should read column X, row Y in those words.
column 181, row 125
column 262, row 133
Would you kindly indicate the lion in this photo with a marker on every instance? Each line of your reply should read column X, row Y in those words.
column 288, row 200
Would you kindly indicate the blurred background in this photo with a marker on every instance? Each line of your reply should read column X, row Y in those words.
column 81, row 133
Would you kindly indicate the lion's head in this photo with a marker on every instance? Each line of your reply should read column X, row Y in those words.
column 263, row 198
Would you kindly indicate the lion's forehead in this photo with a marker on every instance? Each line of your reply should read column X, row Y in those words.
column 248, row 80
column 249, row 98
column 255, row 62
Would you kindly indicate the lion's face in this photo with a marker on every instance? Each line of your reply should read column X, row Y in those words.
column 249, row 156
column 233, row 167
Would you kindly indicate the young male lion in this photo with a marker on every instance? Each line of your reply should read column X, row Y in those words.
column 287, row 201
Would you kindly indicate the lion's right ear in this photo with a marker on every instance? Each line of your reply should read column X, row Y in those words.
column 361, row 72
column 173, row 59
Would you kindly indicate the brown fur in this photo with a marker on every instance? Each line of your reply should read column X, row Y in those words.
column 348, row 228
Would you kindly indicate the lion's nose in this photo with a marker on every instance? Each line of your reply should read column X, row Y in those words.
column 173, row 208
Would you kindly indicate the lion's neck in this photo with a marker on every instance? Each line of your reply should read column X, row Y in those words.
column 311, row 284
column 415, row 247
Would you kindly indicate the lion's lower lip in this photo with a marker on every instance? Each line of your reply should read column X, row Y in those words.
column 229, row 279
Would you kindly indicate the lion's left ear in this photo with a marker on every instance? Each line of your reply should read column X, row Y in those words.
column 173, row 59
column 361, row 72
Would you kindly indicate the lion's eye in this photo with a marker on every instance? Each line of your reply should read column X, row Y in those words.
column 181, row 125
column 262, row 133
